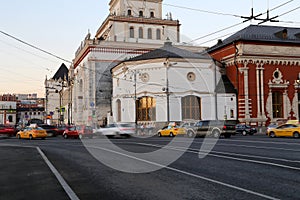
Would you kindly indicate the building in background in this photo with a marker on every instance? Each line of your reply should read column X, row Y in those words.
column 30, row 109
column 21, row 108
column 57, row 105
column 8, row 109
column 263, row 63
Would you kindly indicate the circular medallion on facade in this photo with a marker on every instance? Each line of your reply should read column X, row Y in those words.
column 191, row 76
column 144, row 77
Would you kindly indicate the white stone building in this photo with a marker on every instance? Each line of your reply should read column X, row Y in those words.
column 57, row 97
column 133, row 27
column 170, row 84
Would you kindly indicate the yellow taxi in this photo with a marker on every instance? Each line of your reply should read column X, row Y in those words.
column 285, row 130
column 171, row 130
column 31, row 132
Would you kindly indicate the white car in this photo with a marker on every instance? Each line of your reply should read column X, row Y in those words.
column 116, row 129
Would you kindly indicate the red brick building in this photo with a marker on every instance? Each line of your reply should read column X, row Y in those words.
column 263, row 63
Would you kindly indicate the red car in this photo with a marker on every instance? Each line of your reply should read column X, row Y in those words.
column 78, row 132
column 7, row 130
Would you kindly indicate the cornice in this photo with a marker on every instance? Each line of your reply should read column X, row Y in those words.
column 137, row 20
column 263, row 60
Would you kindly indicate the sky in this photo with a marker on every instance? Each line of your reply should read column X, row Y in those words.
column 59, row 26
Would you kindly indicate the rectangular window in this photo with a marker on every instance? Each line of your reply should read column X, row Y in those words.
column 131, row 32
column 277, row 100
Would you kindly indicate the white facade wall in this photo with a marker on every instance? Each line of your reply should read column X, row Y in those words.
column 179, row 86
column 52, row 94
column 120, row 33
column 121, row 7
column 226, row 106
column 5, row 107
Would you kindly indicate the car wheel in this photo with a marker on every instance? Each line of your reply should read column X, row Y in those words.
column 296, row 135
column 65, row 136
column 159, row 134
column 244, row 133
column 216, row 134
column 19, row 136
column 43, row 138
column 171, row 134
column 30, row 137
column 227, row 135
column 272, row 135
column 190, row 134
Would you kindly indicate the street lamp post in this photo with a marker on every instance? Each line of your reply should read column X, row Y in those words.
column 168, row 65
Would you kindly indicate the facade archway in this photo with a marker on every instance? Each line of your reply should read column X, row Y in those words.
column 191, row 107
column 146, row 109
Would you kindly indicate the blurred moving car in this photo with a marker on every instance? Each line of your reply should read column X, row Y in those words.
column 61, row 129
column 78, row 132
column 116, row 130
column 171, row 131
column 185, row 125
column 245, row 129
column 31, row 132
column 214, row 128
column 7, row 130
column 51, row 130
column 285, row 130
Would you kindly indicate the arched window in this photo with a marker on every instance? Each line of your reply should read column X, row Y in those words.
column 158, row 34
column 141, row 32
column 146, row 109
column 152, row 14
column 141, row 14
column 149, row 33
column 131, row 32
column 119, row 110
column 191, row 107
column 277, row 100
column 129, row 13
column 10, row 118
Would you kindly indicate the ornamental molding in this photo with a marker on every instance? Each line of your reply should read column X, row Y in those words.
column 263, row 61
column 270, row 50
column 277, row 81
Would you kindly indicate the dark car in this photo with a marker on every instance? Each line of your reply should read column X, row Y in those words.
column 245, row 129
column 214, row 128
column 51, row 130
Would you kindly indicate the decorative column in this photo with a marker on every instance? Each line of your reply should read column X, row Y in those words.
column 244, row 70
column 258, row 90
column 263, row 113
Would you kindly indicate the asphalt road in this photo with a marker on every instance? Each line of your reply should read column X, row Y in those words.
column 242, row 167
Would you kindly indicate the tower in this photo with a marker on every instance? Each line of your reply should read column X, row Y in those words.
column 138, row 21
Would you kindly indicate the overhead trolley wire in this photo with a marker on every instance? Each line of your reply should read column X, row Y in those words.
column 35, row 47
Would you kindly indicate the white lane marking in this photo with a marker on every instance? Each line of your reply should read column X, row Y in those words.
column 61, row 180
column 247, row 146
column 256, row 147
column 188, row 173
column 221, row 156
column 264, row 142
